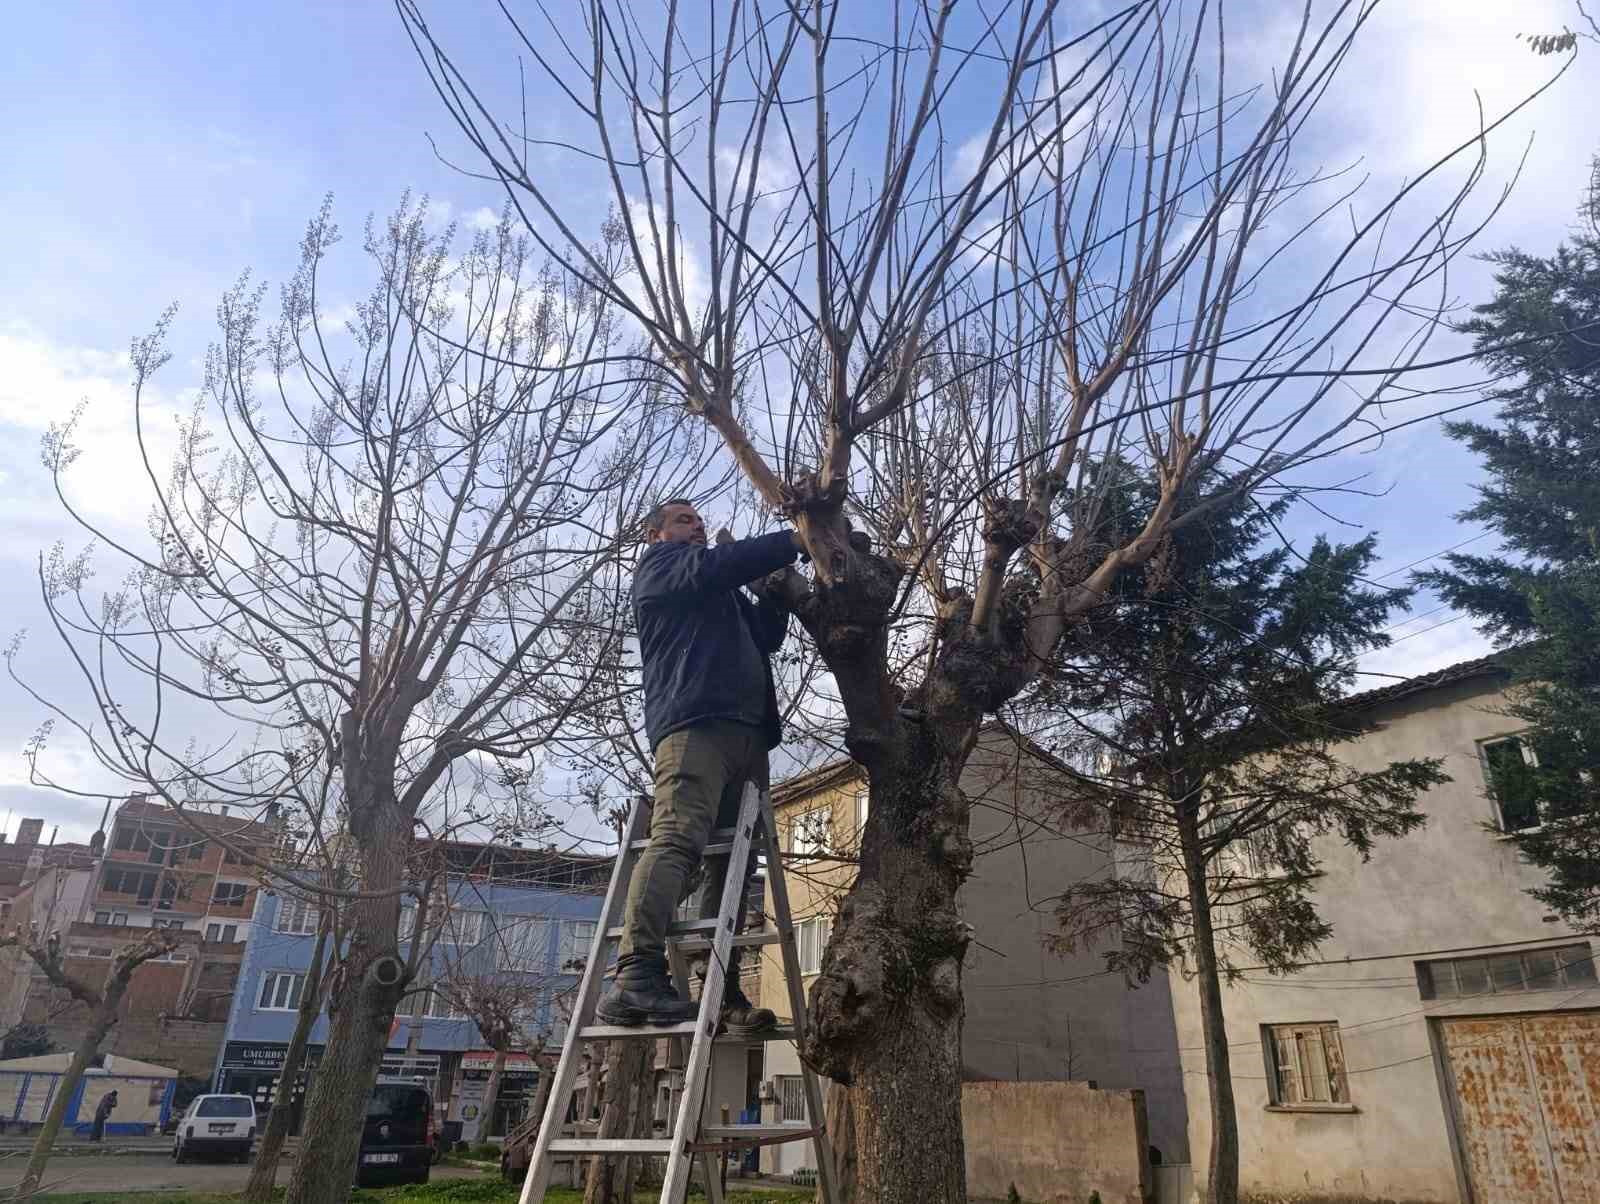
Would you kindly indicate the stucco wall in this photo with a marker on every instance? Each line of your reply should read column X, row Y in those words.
column 1054, row 1142
column 1450, row 889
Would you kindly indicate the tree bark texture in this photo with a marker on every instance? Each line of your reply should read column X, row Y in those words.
column 842, row 1141
column 886, row 1013
column 1222, row 1171
column 627, row 1073
column 264, row 1174
column 363, row 993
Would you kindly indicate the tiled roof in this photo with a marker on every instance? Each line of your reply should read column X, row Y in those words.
column 1492, row 665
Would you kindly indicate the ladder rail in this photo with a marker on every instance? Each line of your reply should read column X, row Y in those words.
column 790, row 954
column 540, row 1164
column 756, row 830
column 698, row 1065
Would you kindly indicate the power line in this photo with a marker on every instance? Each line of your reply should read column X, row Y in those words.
column 1433, row 555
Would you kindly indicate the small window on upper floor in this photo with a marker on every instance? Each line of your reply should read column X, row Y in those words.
column 1509, row 766
column 1566, row 968
column 1307, row 1065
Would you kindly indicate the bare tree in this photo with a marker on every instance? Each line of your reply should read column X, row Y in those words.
column 925, row 270
column 365, row 569
column 102, row 1002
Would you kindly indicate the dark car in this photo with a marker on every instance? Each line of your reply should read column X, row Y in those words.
column 396, row 1137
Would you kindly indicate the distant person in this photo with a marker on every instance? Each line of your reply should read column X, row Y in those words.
column 102, row 1113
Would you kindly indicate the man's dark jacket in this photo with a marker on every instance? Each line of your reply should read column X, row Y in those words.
column 703, row 643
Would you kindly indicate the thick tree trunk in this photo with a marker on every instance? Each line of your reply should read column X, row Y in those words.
column 1222, row 1173
column 491, row 1094
column 264, row 1174
column 886, row 1013
column 100, row 1023
column 365, row 990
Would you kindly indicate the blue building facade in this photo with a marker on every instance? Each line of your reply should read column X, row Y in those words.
column 519, row 934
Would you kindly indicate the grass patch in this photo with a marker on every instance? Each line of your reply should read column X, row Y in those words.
column 486, row 1192
column 464, row 1191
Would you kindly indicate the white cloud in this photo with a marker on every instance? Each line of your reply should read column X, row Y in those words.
column 41, row 382
column 483, row 218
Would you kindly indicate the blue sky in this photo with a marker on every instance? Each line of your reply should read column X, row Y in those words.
column 155, row 150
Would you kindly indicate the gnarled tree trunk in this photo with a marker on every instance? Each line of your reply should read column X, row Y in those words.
column 365, row 990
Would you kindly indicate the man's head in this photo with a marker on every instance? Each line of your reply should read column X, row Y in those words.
column 675, row 521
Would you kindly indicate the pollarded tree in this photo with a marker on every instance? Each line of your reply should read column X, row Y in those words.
column 1540, row 334
column 102, row 1002
column 1202, row 705
column 363, row 571
column 925, row 270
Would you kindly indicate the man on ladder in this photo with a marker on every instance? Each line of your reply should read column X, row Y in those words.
column 711, row 716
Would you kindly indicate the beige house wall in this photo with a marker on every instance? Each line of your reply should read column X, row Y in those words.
column 1451, row 889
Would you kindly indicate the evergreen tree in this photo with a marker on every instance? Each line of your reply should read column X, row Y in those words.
column 1203, row 709
column 1540, row 597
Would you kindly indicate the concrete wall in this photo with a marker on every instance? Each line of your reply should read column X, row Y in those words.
column 1450, row 889
column 1055, row 1142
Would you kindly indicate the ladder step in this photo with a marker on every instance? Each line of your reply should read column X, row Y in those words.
column 677, row 928
column 611, row 1145
column 699, row 944
column 734, row 1132
column 618, row 1032
column 721, row 842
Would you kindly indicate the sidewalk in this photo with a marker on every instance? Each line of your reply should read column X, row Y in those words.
column 20, row 1145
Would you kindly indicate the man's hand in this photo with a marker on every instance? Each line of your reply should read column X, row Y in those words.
column 724, row 536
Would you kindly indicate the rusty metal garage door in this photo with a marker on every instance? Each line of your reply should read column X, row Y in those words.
column 1526, row 1096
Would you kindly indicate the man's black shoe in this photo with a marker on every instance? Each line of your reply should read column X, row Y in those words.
column 644, row 995
column 741, row 1018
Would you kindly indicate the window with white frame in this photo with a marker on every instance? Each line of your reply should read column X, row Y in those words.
column 111, row 919
column 1509, row 769
column 225, row 934
column 296, row 917
column 465, row 927
column 811, row 938
column 280, row 991
column 863, row 803
column 1307, row 1066
column 577, row 938
column 522, row 944
column 791, row 1093
column 811, row 833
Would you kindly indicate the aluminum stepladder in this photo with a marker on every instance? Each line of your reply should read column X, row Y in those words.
column 691, row 1136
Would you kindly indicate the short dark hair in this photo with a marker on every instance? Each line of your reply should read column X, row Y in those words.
column 657, row 518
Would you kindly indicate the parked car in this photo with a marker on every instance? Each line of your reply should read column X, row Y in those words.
column 397, row 1137
column 224, row 1125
